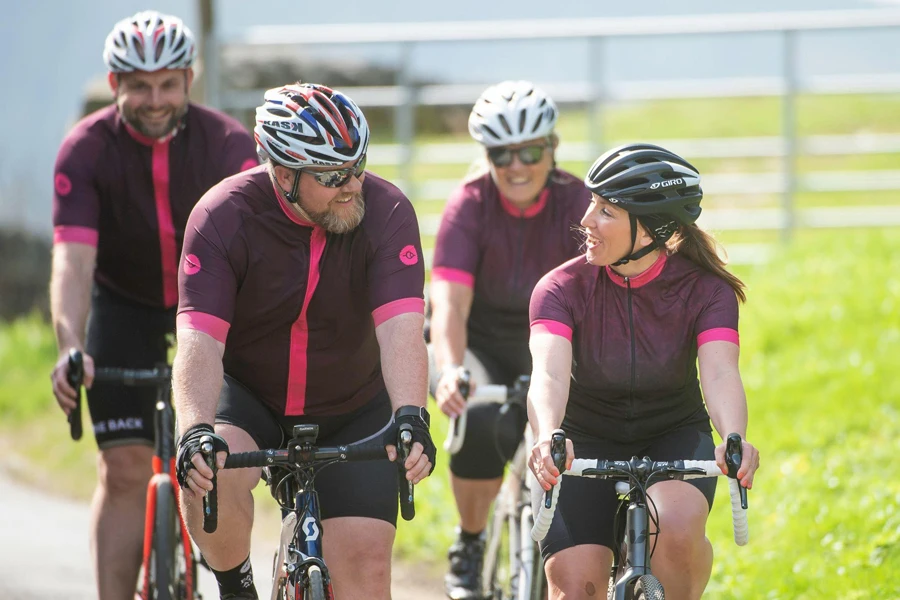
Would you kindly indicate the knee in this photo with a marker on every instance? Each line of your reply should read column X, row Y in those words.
column 370, row 570
column 124, row 471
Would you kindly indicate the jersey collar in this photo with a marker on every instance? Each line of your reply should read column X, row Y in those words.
column 642, row 279
column 529, row 212
column 287, row 209
column 147, row 141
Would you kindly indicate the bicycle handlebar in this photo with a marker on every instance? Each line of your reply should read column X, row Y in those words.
column 643, row 470
column 300, row 457
column 130, row 377
column 456, row 431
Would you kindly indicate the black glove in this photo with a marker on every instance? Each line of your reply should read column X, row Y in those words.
column 418, row 418
column 189, row 445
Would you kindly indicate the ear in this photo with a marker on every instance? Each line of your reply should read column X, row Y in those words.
column 284, row 177
column 643, row 236
column 113, row 80
column 554, row 140
column 190, row 78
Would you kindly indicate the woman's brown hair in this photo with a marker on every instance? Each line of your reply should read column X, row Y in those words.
column 701, row 247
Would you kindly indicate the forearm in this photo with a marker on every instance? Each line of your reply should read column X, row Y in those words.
column 448, row 336
column 70, row 293
column 404, row 360
column 196, row 378
column 547, row 400
column 727, row 404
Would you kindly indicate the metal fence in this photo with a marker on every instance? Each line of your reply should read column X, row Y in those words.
column 405, row 95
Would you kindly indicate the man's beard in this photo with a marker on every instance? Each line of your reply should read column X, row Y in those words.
column 331, row 222
column 153, row 131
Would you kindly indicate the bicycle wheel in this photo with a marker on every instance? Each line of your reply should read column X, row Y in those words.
column 315, row 585
column 648, row 587
column 161, row 565
column 532, row 582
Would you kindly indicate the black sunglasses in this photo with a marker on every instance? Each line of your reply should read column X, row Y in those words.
column 339, row 177
column 528, row 155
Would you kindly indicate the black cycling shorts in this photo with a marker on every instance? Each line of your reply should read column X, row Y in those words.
column 587, row 507
column 350, row 489
column 122, row 333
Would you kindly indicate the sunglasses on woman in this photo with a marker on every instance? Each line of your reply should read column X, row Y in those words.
column 339, row 177
column 528, row 155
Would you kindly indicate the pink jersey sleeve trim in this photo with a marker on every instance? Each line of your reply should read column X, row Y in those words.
column 453, row 276
column 398, row 307
column 75, row 234
column 554, row 327
column 211, row 325
column 719, row 334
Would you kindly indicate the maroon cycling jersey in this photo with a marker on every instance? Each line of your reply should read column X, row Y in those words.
column 130, row 196
column 634, row 343
column 501, row 251
column 297, row 306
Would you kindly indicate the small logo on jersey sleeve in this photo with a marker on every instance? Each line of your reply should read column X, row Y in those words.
column 191, row 264
column 62, row 184
column 409, row 256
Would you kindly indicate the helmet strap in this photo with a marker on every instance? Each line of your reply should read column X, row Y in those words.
column 640, row 253
column 295, row 188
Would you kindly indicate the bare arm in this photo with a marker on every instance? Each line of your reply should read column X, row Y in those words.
column 71, row 279
column 723, row 391
column 196, row 378
column 404, row 365
column 548, row 396
column 450, row 306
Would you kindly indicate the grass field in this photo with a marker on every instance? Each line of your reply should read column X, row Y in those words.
column 820, row 336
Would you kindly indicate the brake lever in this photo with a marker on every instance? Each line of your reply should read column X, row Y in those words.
column 734, row 455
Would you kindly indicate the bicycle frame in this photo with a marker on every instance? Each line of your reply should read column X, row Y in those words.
column 637, row 547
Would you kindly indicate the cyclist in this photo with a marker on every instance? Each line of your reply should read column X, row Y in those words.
column 302, row 283
column 615, row 340
column 126, row 178
column 501, row 230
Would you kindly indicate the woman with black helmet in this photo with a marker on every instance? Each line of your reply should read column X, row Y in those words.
column 616, row 340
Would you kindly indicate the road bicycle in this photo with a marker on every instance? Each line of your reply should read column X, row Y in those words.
column 630, row 573
column 513, row 568
column 169, row 565
column 299, row 570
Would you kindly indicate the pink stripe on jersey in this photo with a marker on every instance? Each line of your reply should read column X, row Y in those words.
column 287, row 209
column 719, row 334
column 296, row 385
column 529, row 212
column 554, row 327
column 167, row 246
column 209, row 324
column 453, row 276
column 398, row 307
column 642, row 279
column 75, row 234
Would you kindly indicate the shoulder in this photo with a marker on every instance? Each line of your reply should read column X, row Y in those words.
column 384, row 201
column 230, row 202
column 92, row 133
column 215, row 123
column 574, row 274
column 699, row 281
column 477, row 190
column 569, row 189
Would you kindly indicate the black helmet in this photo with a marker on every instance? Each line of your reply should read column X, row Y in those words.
column 656, row 186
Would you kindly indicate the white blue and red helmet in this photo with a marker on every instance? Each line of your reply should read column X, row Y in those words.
column 149, row 41
column 307, row 124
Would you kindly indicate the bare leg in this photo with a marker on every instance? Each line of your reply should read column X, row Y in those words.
column 358, row 554
column 117, row 518
column 473, row 500
column 579, row 573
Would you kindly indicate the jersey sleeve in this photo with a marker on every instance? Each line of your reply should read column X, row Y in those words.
column 718, row 320
column 456, row 252
column 76, row 199
column 550, row 310
column 396, row 273
column 240, row 153
column 207, row 283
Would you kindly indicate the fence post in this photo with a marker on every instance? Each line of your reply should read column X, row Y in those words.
column 405, row 120
column 789, row 133
column 598, row 97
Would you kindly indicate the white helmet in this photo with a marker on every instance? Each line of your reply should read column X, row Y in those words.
column 310, row 124
column 149, row 41
column 512, row 112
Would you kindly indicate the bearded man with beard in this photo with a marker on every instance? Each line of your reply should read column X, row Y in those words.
column 301, row 302
column 125, row 181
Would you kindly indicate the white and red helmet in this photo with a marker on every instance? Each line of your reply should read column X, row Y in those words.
column 309, row 124
column 512, row 112
column 149, row 41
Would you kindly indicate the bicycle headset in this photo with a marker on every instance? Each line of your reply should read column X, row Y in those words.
column 655, row 186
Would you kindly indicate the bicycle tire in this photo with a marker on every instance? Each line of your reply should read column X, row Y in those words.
column 648, row 587
column 492, row 586
column 315, row 584
column 534, row 579
column 162, row 553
